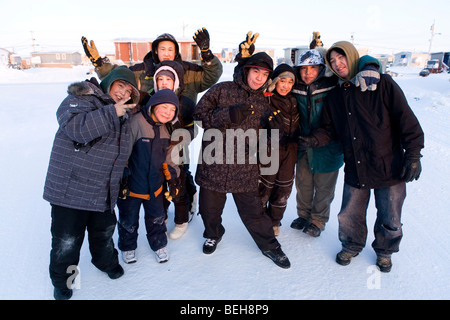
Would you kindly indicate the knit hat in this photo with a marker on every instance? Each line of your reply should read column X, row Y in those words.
column 124, row 74
column 163, row 96
column 282, row 71
column 164, row 37
column 310, row 58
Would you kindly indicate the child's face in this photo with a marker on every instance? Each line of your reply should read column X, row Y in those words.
column 257, row 77
column 163, row 112
column 339, row 64
column 166, row 50
column 309, row 73
column 284, row 86
column 120, row 90
column 165, row 82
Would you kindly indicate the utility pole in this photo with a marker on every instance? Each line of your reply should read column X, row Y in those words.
column 184, row 27
column 32, row 41
column 431, row 39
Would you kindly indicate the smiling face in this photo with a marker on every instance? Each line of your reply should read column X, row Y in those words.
column 339, row 64
column 120, row 90
column 163, row 112
column 284, row 86
column 257, row 77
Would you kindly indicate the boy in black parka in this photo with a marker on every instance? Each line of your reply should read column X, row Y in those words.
column 283, row 116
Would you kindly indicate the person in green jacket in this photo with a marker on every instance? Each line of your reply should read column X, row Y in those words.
column 317, row 168
column 197, row 78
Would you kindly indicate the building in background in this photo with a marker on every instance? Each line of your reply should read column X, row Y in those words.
column 55, row 59
column 133, row 50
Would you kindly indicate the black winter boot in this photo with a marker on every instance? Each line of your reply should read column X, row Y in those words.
column 116, row 273
column 62, row 293
column 278, row 257
column 299, row 223
column 344, row 257
column 312, row 230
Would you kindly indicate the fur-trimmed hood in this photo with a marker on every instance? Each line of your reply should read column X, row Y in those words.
column 88, row 88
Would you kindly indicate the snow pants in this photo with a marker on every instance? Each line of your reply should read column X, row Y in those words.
column 68, row 229
column 388, row 227
column 276, row 189
column 128, row 225
column 315, row 192
column 183, row 204
column 258, row 223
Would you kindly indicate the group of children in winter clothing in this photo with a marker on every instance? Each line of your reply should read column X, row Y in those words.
column 107, row 151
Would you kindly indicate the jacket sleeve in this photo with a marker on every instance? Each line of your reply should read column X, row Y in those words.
column 208, row 111
column 170, row 166
column 326, row 131
column 83, row 122
column 204, row 79
column 403, row 118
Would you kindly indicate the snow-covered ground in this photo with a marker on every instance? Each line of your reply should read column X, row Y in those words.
column 237, row 270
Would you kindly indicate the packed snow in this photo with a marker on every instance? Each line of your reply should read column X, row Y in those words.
column 237, row 270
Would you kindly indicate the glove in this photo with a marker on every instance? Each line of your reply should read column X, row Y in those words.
column 247, row 47
column 92, row 53
column 411, row 168
column 275, row 121
column 368, row 78
column 201, row 37
column 240, row 112
column 307, row 142
column 176, row 190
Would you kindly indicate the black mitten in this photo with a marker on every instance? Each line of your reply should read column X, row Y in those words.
column 411, row 168
column 240, row 112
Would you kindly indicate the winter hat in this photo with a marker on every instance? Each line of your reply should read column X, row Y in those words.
column 167, row 68
column 124, row 74
column 260, row 60
column 164, row 37
column 282, row 71
column 163, row 96
column 310, row 58
column 350, row 52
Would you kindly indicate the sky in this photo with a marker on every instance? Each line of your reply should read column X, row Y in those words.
column 381, row 26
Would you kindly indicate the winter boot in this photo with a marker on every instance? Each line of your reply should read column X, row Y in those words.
column 384, row 263
column 178, row 231
column 210, row 245
column 278, row 257
column 162, row 255
column 299, row 223
column 312, row 230
column 344, row 257
column 129, row 256
column 116, row 273
column 62, row 294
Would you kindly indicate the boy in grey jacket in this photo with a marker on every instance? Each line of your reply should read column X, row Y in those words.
column 89, row 154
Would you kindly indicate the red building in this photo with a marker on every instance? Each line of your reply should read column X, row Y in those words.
column 132, row 51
